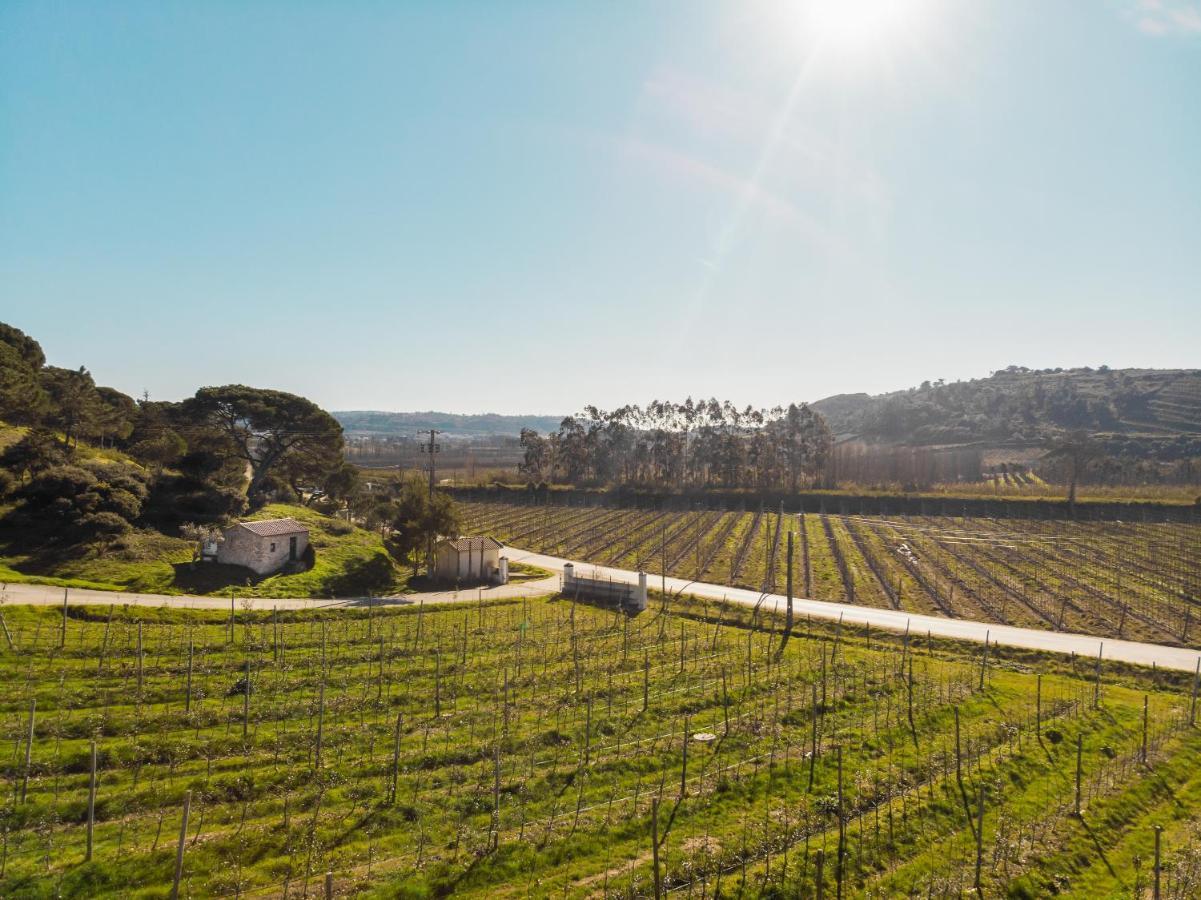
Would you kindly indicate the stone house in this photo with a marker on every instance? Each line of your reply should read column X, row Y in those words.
column 470, row 559
column 263, row 547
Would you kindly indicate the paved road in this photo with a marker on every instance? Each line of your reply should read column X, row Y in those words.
column 45, row 595
column 960, row 629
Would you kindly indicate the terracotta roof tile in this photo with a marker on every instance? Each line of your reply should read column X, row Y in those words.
column 273, row 527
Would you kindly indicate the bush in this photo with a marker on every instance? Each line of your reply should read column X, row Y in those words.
column 83, row 501
column 103, row 524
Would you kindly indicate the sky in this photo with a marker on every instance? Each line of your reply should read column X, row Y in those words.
column 526, row 207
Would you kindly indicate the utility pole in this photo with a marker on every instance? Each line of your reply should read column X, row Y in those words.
column 431, row 448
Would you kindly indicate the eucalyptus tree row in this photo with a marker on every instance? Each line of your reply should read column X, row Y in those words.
column 693, row 444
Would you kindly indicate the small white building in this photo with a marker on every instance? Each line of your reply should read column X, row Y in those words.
column 263, row 547
column 470, row 559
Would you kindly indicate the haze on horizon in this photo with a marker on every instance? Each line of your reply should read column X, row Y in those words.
column 526, row 207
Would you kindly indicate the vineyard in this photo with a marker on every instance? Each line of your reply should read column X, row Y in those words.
column 1124, row 580
column 551, row 748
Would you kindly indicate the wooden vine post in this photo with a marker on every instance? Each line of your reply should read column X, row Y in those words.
column 91, row 805
column 246, row 699
column 655, row 846
column 788, row 618
column 395, row 758
column 33, row 706
column 840, row 862
column 183, row 837
column 1079, row 769
column 1038, row 706
column 979, row 840
column 187, row 703
column 1143, row 749
column 1155, row 892
column 320, row 723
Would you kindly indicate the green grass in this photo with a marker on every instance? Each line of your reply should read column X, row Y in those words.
column 349, row 561
column 523, row 572
column 544, row 699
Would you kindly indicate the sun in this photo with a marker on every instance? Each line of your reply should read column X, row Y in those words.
column 849, row 27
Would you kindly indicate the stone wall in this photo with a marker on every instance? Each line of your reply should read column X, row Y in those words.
column 262, row 555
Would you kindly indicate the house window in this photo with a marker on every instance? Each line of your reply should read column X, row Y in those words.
column 273, row 547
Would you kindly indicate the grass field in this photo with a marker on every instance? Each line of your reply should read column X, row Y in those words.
column 349, row 561
column 524, row 748
column 1137, row 581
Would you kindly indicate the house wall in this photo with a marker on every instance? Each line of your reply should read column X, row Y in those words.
column 245, row 548
column 453, row 564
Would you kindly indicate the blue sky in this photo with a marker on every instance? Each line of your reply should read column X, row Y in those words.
column 530, row 206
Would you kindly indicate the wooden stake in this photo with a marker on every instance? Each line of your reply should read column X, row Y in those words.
column 1079, row 769
column 684, row 766
column 187, row 703
column 788, row 588
column 91, row 805
column 979, row 840
column 395, row 758
column 1038, row 707
column 33, row 705
column 183, row 837
column 1143, row 751
column 246, row 700
column 958, row 752
column 140, row 669
column 646, row 679
column 1155, row 893
column 842, row 830
column 320, row 723
column 655, row 845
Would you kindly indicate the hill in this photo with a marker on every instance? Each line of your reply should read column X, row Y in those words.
column 451, row 424
column 349, row 561
column 1152, row 412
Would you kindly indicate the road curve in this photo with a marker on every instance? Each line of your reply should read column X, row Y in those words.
column 1166, row 657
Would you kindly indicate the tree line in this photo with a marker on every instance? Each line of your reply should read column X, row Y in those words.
column 694, row 444
column 91, row 463
column 205, row 459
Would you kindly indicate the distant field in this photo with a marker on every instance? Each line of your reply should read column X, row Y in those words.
column 522, row 749
column 1032, row 487
column 1128, row 580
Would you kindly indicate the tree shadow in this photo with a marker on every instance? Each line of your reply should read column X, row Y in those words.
column 212, row 577
column 363, row 578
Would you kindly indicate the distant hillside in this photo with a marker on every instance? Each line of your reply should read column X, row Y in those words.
column 1152, row 411
column 452, row 424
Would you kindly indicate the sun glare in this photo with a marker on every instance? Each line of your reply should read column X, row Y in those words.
column 855, row 26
